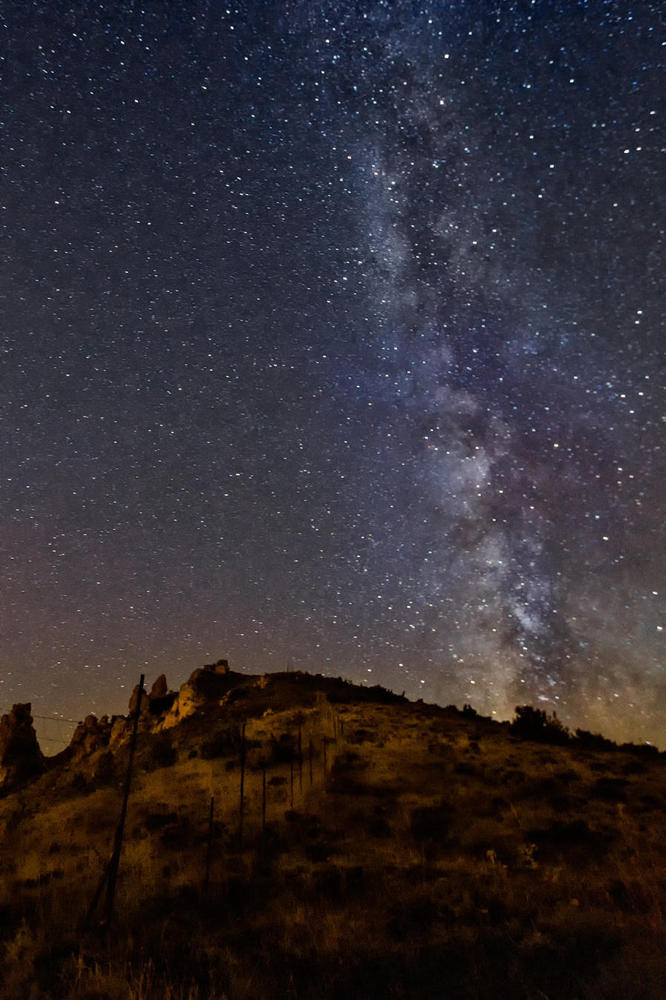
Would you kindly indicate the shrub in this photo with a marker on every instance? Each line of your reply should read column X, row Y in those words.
column 282, row 751
column 161, row 753
column 223, row 743
column 593, row 741
column 105, row 771
column 432, row 822
column 534, row 724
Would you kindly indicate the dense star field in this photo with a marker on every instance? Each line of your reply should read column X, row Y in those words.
column 331, row 336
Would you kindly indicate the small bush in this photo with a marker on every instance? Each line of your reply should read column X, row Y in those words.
column 535, row 724
column 222, row 744
column 161, row 753
column 593, row 741
column 282, row 750
column 105, row 771
column 432, row 822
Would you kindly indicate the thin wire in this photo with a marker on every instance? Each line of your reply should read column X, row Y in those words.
column 56, row 718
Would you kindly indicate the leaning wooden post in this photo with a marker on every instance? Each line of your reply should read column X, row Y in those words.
column 114, row 864
column 291, row 779
column 263, row 797
column 209, row 846
column 241, row 805
column 300, row 758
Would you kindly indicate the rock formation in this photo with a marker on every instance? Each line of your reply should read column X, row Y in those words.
column 20, row 756
column 219, row 667
column 210, row 683
column 90, row 735
column 159, row 688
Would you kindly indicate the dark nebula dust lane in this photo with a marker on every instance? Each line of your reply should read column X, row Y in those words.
column 331, row 335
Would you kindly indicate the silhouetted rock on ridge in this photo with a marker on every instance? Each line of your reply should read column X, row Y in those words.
column 20, row 756
column 209, row 684
column 90, row 735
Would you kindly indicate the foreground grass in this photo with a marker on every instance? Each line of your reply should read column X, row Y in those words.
column 415, row 854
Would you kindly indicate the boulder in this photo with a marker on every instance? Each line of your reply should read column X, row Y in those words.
column 20, row 756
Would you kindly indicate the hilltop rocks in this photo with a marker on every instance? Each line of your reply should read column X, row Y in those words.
column 159, row 688
column 160, row 698
column 20, row 756
column 210, row 683
column 219, row 667
column 90, row 735
column 156, row 702
column 134, row 702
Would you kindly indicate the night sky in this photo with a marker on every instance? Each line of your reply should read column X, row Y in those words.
column 330, row 337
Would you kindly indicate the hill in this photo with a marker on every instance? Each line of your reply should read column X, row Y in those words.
column 297, row 836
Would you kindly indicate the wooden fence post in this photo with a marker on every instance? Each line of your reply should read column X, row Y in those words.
column 300, row 757
column 263, row 797
column 209, row 846
column 241, row 805
column 291, row 780
column 110, row 875
column 120, row 830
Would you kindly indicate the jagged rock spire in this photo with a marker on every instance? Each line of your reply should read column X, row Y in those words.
column 20, row 756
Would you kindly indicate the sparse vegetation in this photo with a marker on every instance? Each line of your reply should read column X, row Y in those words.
column 424, row 853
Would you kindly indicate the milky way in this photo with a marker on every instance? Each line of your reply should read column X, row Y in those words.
column 331, row 337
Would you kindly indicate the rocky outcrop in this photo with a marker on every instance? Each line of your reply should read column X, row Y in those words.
column 160, row 698
column 159, row 689
column 209, row 684
column 20, row 756
column 134, row 701
column 90, row 735
column 219, row 667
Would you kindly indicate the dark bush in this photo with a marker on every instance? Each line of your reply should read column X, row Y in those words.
column 641, row 749
column 432, row 822
column 534, row 724
column 176, row 835
column 282, row 750
column 561, row 837
column 415, row 917
column 378, row 824
column 362, row 736
column 158, row 821
column 223, row 743
column 105, row 771
column 593, row 741
column 610, row 789
column 161, row 753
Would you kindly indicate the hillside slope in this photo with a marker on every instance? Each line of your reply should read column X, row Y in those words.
column 381, row 848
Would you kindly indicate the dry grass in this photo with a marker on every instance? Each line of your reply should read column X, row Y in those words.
column 430, row 855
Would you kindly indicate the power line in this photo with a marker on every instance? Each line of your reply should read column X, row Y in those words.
column 56, row 718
